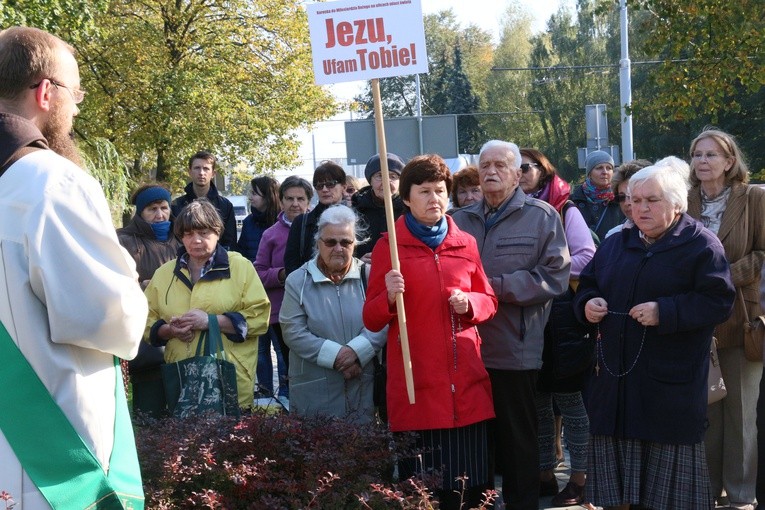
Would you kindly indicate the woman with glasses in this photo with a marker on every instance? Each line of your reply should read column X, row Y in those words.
column 329, row 182
column 446, row 294
column 653, row 294
column 368, row 202
column 556, row 384
column 725, row 203
column 264, row 208
column 619, row 187
column 594, row 197
column 352, row 185
column 331, row 371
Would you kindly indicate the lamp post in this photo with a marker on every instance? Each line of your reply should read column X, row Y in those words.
column 625, row 85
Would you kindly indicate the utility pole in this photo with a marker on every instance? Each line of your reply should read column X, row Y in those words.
column 625, row 85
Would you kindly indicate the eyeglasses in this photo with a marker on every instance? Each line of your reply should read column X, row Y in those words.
column 620, row 197
column 350, row 191
column 707, row 155
column 326, row 184
column 392, row 176
column 331, row 243
column 525, row 167
column 77, row 94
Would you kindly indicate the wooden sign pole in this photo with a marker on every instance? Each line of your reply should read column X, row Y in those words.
column 388, row 199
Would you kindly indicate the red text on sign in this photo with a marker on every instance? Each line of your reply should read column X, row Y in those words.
column 361, row 31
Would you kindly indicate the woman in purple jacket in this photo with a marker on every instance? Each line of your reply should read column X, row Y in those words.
column 654, row 295
column 294, row 196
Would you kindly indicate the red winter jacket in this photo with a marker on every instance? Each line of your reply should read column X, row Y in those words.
column 452, row 388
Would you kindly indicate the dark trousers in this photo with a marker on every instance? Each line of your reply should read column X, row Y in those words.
column 513, row 439
column 760, row 488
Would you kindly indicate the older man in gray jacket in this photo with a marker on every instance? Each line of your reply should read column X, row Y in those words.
column 525, row 255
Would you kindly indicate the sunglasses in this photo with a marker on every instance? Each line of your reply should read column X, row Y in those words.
column 525, row 167
column 325, row 184
column 620, row 197
column 331, row 243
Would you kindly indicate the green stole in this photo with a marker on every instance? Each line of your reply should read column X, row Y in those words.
column 51, row 452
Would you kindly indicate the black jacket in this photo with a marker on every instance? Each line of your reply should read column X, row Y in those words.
column 372, row 212
column 224, row 207
column 298, row 251
column 599, row 217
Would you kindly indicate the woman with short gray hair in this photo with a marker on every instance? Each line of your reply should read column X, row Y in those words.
column 653, row 294
column 330, row 370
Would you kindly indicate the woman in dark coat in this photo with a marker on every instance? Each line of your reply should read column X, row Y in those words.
column 654, row 294
column 150, row 241
column 264, row 206
column 594, row 197
column 368, row 202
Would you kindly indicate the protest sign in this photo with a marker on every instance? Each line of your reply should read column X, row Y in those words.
column 365, row 39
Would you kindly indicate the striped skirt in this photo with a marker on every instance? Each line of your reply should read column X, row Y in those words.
column 458, row 452
column 656, row 476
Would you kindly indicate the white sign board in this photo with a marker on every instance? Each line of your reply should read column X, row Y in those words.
column 365, row 39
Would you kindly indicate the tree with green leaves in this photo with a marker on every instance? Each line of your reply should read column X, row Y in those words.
column 508, row 114
column 712, row 53
column 169, row 77
column 561, row 88
column 443, row 33
column 453, row 94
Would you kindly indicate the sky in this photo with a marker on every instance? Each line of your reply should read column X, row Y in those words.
column 327, row 140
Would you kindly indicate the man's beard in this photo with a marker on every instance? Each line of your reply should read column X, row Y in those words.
column 60, row 139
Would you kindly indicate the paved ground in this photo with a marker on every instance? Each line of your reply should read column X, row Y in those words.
column 562, row 473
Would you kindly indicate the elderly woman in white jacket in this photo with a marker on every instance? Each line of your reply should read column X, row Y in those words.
column 331, row 371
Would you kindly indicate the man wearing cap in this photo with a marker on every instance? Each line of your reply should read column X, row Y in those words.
column 368, row 201
column 595, row 198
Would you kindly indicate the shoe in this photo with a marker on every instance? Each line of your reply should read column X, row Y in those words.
column 571, row 495
column 548, row 487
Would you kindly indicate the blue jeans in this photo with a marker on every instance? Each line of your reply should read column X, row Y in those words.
column 265, row 368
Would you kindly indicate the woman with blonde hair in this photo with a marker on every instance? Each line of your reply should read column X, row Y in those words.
column 722, row 199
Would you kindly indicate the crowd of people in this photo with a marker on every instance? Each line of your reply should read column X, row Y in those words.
column 532, row 307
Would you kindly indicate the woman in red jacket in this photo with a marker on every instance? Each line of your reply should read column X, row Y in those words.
column 445, row 296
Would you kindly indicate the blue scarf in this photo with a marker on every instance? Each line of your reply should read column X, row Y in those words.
column 161, row 230
column 431, row 236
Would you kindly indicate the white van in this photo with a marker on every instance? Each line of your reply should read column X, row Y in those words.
column 241, row 209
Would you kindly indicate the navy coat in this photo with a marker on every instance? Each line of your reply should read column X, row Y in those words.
column 664, row 397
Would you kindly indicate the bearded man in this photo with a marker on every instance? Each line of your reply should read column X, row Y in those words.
column 70, row 302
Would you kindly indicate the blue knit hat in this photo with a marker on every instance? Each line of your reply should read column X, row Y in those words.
column 395, row 164
column 150, row 195
column 596, row 158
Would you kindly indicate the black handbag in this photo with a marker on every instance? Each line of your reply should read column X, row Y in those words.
column 571, row 344
column 205, row 383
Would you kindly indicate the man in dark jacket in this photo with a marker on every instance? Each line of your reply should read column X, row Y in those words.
column 202, row 167
column 369, row 204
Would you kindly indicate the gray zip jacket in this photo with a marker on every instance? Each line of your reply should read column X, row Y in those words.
column 526, row 258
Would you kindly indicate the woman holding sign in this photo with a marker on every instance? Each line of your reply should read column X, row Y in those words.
column 446, row 294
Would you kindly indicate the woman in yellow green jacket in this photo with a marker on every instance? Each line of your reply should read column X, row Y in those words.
column 206, row 279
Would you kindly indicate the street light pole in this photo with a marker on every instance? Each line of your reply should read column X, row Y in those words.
column 625, row 85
